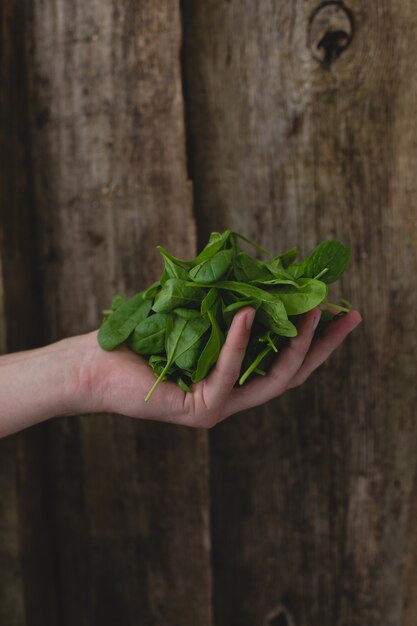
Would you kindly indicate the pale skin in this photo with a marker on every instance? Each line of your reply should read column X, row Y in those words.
column 75, row 376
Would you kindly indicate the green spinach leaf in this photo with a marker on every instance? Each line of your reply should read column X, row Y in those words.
column 117, row 328
column 149, row 335
column 177, row 293
column 172, row 269
column 209, row 301
column 329, row 255
column 211, row 351
column 180, row 321
column 191, row 343
column 183, row 343
column 213, row 268
column 247, row 269
column 309, row 294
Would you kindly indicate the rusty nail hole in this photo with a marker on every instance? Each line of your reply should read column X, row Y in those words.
column 330, row 31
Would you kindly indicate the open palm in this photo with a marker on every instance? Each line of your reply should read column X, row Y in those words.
column 121, row 379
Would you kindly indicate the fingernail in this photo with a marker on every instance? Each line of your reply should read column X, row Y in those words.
column 250, row 316
column 316, row 320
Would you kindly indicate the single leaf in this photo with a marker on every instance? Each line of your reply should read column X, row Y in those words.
column 278, row 271
column 232, row 308
column 157, row 359
column 117, row 328
column 330, row 255
column 251, row 243
column 149, row 335
column 183, row 344
column 177, row 293
column 211, row 351
column 245, row 289
column 158, row 366
column 213, row 268
column 239, row 304
column 117, row 302
column 171, row 269
column 248, row 269
column 172, row 339
column 288, row 257
column 276, row 281
column 182, row 384
column 166, row 255
column 151, row 291
column 215, row 244
column 209, row 301
column 310, row 294
column 274, row 316
column 191, row 341
column 187, row 314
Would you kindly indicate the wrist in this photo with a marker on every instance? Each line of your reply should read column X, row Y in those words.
column 78, row 392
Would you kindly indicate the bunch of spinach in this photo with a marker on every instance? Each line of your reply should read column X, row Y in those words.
column 181, row 321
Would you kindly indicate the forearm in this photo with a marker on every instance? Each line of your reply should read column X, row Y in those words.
column 37, row 385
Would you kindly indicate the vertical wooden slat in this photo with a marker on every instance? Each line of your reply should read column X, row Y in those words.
column 402, row 250
column 2, row 313
column 312, row 512
column 22, row 504
column 128, row 501
column 11, row 584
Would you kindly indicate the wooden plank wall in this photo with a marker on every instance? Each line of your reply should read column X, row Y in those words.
column 298, row 513
column 19, row 314
column 313, row 514
column 113, row 512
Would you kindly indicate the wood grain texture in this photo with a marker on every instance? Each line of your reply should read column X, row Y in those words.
column 2, row 313
column 313, row 514
column 19, row 328
column 125, row 504
column 11, row 580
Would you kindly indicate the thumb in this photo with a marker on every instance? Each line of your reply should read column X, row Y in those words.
column 223, row 377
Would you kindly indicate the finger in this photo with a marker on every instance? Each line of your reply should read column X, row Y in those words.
column 220, row 382
column 325, row 344
column 283, row 370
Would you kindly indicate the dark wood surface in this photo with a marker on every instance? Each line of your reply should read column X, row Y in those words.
column 124, row 503
column 313, row 496
column 20, row 569
column 125, row 125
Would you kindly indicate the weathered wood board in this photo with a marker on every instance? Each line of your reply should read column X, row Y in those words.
column 124, row 504
column 300, row 126
column 19, row 311
column 313, row 514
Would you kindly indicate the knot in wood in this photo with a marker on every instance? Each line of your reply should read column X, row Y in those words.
column 330, row 32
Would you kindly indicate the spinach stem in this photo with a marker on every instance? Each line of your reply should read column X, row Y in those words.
column 271, row 343
column 320, row 274
column 164, row 371
column 347, row 303
column 158, row 380
column 254, row 365
column 335, row 306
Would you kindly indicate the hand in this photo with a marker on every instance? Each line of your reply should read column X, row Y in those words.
column 118, row 381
